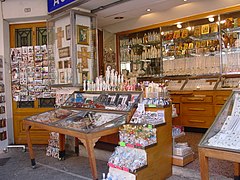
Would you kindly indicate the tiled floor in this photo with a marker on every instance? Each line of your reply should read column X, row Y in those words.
column 16, row 165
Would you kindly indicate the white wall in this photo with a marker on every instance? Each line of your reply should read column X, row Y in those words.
column 13, row 10
column 178, row 12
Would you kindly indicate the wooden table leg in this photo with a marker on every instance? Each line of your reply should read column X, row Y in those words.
column 89, row 145
column 61, row 146
column 236, row 171
column 203, row 160
column 76, row 146
column 29, row 142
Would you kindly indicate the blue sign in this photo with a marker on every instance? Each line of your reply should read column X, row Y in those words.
column 57, row 4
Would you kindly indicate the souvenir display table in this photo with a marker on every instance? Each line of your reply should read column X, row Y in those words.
column 88, row 140
column 222, row 139
column 87, row 117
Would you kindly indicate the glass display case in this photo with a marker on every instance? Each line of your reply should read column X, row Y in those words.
column 107, row 100
column 140, row 53
column 224, row 132
column 80, row 120
column 205, row 46
column 72, row 47
column 230, row 35
column 191, row 48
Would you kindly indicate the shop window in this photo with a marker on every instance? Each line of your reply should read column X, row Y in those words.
column 23, row 37
column 41, row 35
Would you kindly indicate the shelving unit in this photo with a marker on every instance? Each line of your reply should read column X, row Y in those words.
column 159, row 155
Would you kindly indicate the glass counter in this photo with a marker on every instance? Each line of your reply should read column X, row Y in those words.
column 224, row 132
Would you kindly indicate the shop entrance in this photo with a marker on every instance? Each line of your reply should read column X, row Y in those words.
column 29, row 95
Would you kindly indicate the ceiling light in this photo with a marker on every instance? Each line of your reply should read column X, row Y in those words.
column 179, row 25
column 148, row 9
column 185, row 0
column 162, row 33
column 189, row 28
column 119, row 17
column 211, row 19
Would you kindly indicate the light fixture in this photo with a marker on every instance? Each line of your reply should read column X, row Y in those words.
column 179, row 25
column 185, row 0
column 148, row 9
column 162, row 33
column 211, row 19
column 189, row 28
column 119, row 17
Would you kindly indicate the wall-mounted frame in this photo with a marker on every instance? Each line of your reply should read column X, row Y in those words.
column 83, row 35
column 68, row 32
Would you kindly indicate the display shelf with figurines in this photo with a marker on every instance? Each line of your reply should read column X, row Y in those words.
column 140, row 53
column 3, row 116
column 230, row 30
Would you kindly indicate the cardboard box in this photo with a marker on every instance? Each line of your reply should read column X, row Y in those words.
column 183, row 160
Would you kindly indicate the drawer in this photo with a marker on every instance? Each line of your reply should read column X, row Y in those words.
column 197, row 121
column 175, row 99
column 202, row 99
column 197, row 109
column 220, row 100
column 217, row 109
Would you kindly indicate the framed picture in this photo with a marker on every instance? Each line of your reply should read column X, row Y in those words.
column 68, row 32
column 197, row 31
column 205, row 29
column 62, row 77
column 83, row 35
column 64, row 52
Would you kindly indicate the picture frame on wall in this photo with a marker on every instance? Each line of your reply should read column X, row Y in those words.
column 205, row 29
column 68, row 32
column 83, row 35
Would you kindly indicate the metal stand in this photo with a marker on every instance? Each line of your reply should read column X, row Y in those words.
column 15, row 146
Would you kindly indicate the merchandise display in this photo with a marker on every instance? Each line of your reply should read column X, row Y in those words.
column 53, row 145
column 30, row 73
column 137, row 135
column 87, row 121
column 51, row 116
column 72, row 52
column 224, row 133
column 128, row 159
column 3, row 116
column 108, row 100
column 147, row 117
column 140, row 53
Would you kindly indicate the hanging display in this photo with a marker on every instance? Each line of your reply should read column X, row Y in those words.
column 30, row 73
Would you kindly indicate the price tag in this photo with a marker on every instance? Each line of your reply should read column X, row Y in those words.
column 125, row 169
column 152, row 105
column 123, row 144
column 150, row 126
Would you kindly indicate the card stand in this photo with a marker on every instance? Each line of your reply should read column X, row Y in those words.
column 53, row 145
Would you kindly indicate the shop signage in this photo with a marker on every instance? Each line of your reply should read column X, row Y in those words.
column 54, row 5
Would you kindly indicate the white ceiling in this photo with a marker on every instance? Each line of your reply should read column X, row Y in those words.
column 128, row 9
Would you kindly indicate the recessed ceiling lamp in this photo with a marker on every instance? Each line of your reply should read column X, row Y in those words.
column 148, row 9
column 179, row 25
column 119, row 17
column 185, row 0
column 211, row 19
column 189, row 28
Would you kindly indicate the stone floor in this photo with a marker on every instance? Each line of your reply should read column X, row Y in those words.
column 15, row 165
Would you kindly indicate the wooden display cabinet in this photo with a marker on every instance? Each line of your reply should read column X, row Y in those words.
column 159, row 155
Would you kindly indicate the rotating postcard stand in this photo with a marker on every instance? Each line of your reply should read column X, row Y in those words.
column 222, row 140
column 71, row 47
